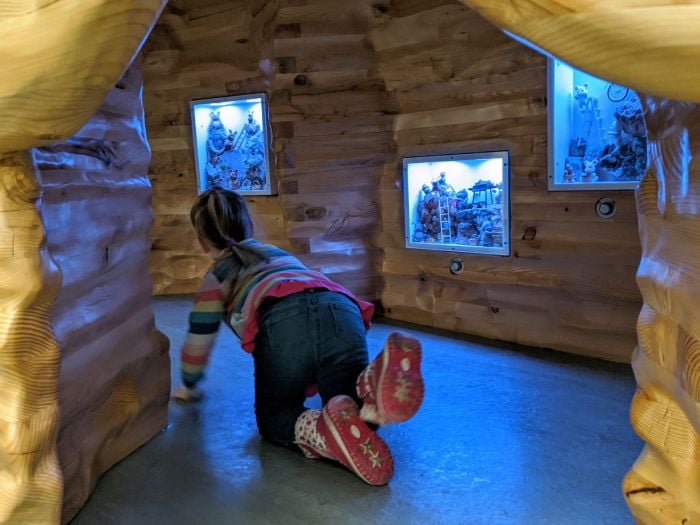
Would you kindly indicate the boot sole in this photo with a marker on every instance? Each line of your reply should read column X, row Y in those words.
column 350, row 445
column 400, row 389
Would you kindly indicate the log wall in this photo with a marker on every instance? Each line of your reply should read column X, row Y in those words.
column 332, row 134
column 333, row 119
column 114, row 377
column 462, row 85
column 354, row 87
column 198, row 49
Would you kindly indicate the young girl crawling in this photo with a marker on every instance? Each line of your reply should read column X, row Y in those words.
column 302, row 329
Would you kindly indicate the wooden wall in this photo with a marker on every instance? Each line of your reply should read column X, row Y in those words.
column 114, row 379
column 569, row 284
column 355, row 86
column 333, row 121
column 198, row 49
column 332, row 133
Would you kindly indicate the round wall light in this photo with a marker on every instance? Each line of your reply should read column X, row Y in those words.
column 456, row 265
column 605, row 208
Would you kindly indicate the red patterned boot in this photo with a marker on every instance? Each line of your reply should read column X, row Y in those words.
column 391, row 387
column 339, row 433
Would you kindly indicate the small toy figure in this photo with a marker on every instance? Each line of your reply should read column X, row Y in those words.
column 213, row 172
column 589, row 171
column 582, row 98
column 230, row 139
column 216, row 136
column 462, row 233
column 233, row 179
column 251, row 127
column 569, row 174
column 444, row 186
column 485, row 229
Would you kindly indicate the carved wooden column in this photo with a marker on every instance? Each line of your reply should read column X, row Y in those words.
column 60, row 58
column 30, row 478
column 664, row 485
column 97, row 211
column 651, row 47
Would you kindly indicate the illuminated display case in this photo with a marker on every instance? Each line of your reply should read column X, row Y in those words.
column 597, row 136
column 458, row 203
column 231, row 143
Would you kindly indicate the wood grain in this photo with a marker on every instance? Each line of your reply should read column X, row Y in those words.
column 462, row 86
column 30, row 476
column 355, row 87
column 96, row 205
column 636, row 43
column 330, row 126
column 664, row 484
column 611, row 40
column 61, row 57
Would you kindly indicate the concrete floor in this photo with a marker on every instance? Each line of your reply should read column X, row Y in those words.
column 503, row 437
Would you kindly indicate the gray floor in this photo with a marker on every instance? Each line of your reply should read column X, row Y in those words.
column 503, row 437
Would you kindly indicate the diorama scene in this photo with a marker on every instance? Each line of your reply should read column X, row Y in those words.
column 601, row 138
column 231, row 144
column 457, row 203
column 319, row 262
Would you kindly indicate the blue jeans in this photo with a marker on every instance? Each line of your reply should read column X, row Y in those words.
column 314, row 336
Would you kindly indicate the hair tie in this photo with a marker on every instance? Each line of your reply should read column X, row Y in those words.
column 231, row 242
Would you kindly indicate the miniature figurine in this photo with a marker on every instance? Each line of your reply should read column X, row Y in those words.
column 419, row 234
column 569, row 175
column 216, row 136
column 582, row 97
column 213, row 172
column 462, row 233
column 589, row 171
column 230, row 140
column 254, row 161
column 444, row 186
column 485, row 229
column 233, row 179
column 251, row 127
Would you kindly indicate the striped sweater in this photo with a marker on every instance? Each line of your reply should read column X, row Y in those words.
column 281, row 276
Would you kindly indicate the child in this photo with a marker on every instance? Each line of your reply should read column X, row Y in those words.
column 302, row 329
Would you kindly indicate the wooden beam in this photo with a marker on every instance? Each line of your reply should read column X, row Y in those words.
column 61, row 58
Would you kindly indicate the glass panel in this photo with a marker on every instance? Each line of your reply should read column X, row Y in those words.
column 458, row 203
column 597, row 136
column 231, row 143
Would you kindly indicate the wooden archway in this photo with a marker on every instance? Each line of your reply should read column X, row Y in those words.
column 654, row 48
column 56, row 77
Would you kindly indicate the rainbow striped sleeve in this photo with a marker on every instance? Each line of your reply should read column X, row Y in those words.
column 205, row 318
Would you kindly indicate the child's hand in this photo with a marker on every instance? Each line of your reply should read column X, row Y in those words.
column 186, row 395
